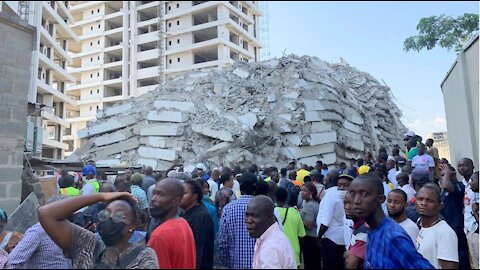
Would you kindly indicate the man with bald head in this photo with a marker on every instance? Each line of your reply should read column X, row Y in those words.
column 148, row 180
column 388, row 246
column 172, row 240
column 272, row 248
column 128, row 174
column 213, row 182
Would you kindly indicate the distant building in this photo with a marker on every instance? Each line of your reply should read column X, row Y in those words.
column 441, row 143
column 460, row 95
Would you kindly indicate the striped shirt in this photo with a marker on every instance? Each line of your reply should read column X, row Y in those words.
column 235, row 244
column 141, row 196
column 390, row 247
column 38, row 251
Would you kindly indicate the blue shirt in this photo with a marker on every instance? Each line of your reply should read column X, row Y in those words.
column 37, row 251
column 213, row 213
column 235, row 244
column 390, row 247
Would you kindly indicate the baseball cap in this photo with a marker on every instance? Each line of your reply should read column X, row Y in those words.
column 401, row 161
column 410, row 133
column 348, row 176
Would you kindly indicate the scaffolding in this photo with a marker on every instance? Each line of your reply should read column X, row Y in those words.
column 264, row 31
column 160, row 43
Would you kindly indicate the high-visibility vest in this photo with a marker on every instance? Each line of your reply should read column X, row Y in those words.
column 95, row 184
column 69, row 191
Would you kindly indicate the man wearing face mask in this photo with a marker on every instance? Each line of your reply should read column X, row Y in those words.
column 116, row 224
column 173, row 239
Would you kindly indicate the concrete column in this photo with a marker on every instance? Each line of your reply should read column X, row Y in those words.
column 222, row 12
column 125, row 58
column 133, row 48
column 223, row 52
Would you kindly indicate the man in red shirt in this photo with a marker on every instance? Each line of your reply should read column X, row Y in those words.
column 172, row 240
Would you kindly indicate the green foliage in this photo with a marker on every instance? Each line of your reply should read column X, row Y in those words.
column 445, row 31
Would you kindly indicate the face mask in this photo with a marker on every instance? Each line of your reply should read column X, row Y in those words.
column 111, row 232
column 342, row 194
column 206, row 197
column 157, row 212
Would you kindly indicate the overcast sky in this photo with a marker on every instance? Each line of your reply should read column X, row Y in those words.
column 369, row 36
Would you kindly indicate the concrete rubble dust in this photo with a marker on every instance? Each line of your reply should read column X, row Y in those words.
column 270, row 112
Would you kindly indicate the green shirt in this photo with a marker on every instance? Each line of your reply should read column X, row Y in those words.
column 293, row 228
column 412, row 153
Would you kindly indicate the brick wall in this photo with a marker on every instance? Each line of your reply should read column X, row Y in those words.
column 16, row 45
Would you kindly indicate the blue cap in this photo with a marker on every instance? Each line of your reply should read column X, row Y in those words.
column 89, row 169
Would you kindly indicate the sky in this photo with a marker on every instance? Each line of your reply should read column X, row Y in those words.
column 369, row 36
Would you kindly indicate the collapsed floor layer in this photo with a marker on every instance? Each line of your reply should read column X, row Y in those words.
column 271, row 112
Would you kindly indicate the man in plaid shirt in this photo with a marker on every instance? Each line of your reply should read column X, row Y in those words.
column 235, row 245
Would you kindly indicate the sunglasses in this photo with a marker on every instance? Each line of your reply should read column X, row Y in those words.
column 117, row 217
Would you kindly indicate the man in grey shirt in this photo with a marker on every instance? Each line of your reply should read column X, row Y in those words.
column 148, row 180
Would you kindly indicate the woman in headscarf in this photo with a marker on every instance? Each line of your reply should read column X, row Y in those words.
column 8, row 240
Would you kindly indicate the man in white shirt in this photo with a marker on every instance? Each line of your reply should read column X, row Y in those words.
column 423, row 163
column 396, row 204
column 330, row 224
column 272, row 248
column 392, row 172
column 213, row 183
column 403, row 179
column 436, row 241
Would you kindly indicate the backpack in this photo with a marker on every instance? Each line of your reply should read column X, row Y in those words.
column 122, row 263
column 293, row 192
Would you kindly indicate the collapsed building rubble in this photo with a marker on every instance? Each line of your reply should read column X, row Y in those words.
column 270, row 112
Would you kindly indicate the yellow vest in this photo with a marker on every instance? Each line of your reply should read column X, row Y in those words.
column 96, row 185
column 69, row 191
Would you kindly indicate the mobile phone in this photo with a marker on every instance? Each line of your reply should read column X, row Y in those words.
column 87, row 219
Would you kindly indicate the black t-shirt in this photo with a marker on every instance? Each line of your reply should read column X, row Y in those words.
column 453, row 206
column 202, row 227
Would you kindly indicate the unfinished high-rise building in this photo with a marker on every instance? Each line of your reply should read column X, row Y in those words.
column 128, row 48
column 47, row 96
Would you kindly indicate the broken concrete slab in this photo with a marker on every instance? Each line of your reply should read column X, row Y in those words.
column 241, row 73
column 166, row 116
column 114, row 137
column 161, row 130
column 105, row 151
column 108, row 163
column 118, row 109
column 109, row 126
column 249, row 120
column 213, row 133
column 321, row 138
column 184, row 106
column 306, row 151
column 25, row 216
column 157, row 153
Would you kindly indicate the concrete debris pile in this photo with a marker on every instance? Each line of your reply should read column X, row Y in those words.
column 271, row 112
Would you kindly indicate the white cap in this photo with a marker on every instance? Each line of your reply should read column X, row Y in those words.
column 410, row 133
column 201, row 166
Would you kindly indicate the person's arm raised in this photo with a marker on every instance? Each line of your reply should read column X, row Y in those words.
column 53, row 216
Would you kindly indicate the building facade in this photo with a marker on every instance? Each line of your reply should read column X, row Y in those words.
column 128, row 48
column 47, row 96
column 460, row 95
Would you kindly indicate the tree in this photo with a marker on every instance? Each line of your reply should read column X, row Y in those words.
column 445, row 31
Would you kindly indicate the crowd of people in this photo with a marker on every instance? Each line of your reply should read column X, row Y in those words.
column 397, row 210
